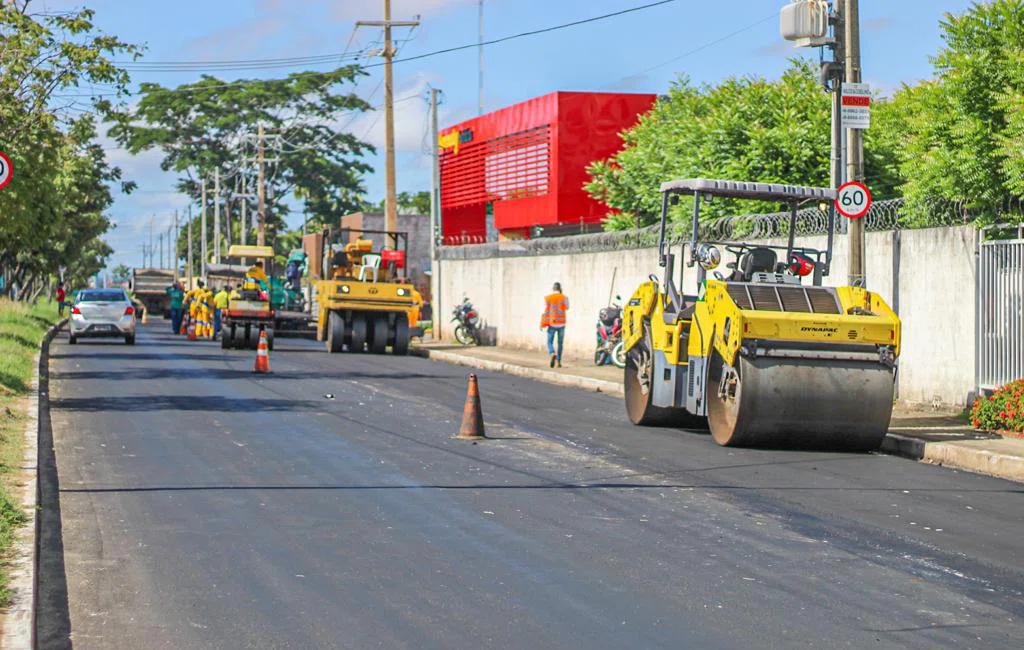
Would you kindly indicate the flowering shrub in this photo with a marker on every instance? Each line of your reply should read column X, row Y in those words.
column 1003, row 410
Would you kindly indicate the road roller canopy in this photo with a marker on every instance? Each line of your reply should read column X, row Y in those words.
column 257, row 252
column 746, row 190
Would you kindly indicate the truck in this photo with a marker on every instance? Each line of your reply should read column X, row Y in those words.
column 150, row 288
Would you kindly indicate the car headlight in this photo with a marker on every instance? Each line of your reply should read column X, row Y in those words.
column 345, row 288
column 402, row 292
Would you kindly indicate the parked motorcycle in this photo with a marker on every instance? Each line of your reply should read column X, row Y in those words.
column 467, row 331
column 610, row 348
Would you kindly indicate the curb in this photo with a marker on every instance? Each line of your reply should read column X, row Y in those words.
column 19, row 622
column 546, row 376
column 964, row 455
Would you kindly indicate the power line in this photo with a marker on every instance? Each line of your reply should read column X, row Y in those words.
column 430, row 54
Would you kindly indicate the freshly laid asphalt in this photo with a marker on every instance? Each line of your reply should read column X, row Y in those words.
column 327, row 506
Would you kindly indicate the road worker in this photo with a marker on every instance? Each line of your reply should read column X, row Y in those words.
column 555, row 306
column 220, row 302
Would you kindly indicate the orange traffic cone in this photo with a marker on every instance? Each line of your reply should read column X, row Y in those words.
column 184, row 328
column 262, row 355
column 472, row 416
column 191, row 330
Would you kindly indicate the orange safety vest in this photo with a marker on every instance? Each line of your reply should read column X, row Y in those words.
column 555, row 307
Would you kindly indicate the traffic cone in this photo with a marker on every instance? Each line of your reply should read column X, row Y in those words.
column 145, row 316
column 472, row 416
column 191, row 330
column 184, row 328
column 262, row 355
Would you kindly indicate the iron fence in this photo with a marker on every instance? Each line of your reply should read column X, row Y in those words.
column 1000, row 307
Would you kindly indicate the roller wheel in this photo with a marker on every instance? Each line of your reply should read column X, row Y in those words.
column 238, row 337
column 638, row 378
column 379, row 334
column 400, row 346
column 358, row 341
column 335, row 332
column 805, row 404
column 225, row 339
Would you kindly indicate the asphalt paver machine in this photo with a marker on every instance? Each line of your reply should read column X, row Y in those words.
column 762, row 353
column 363, row 299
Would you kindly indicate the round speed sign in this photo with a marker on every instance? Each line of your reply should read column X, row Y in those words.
column 5, row 170
column 853, row 200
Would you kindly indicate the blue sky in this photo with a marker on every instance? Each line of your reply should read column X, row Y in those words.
column 639, row 52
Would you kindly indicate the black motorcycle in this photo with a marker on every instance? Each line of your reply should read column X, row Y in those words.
column 467, row 330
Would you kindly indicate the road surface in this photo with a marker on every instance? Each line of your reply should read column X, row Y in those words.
column 327, row 506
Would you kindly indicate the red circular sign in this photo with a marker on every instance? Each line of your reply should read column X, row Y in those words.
column 6, row 170
column 853, row 200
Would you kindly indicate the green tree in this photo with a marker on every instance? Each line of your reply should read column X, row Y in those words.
column 961, row 135
column 406, row 202
column 211, row 124
column 52, row 212
column 746, row 128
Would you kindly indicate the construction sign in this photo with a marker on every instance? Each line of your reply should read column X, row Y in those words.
column 856, row 106
column 6, row 170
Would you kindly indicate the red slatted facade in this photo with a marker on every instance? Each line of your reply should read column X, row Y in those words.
column 528, row 162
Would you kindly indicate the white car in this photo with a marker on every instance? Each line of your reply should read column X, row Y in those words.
column 102, row 313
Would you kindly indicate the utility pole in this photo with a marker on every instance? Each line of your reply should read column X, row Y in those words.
column 261, row 234
column 480, row 56
column 160, row 240
column 216, row 216
column 176, row 235
column 151, row 241
column 202, row 235
column 390, row 201
column 435, row 214
column 245, row 201
column 189, row 252
column 854, row 137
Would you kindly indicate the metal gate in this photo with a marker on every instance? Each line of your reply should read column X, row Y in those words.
column 1000, row 301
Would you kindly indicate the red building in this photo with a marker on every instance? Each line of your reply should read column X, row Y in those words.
column 526, row 164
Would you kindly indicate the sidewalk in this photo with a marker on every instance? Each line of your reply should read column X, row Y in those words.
column 940, row 438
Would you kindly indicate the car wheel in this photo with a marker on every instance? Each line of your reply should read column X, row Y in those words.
column 73, row 339
column 129, row 340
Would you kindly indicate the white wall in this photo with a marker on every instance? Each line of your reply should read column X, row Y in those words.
column 935, row 302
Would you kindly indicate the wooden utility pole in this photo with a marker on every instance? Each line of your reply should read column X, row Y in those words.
column 216, row 216
column 261, row 233
column 435, row 215
column 204, row 260
column 189, row 252
column 390, row 200
column 854, row 138
column 245, row 226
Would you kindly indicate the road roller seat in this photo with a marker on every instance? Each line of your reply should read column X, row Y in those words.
column 754, row 260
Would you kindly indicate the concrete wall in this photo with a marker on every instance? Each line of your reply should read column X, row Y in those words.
column 935, row 298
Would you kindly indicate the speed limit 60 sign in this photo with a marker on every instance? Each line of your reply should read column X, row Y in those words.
column 5, row 170
column 853, row 200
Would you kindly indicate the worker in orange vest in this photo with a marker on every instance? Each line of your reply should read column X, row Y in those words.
column 555, row 306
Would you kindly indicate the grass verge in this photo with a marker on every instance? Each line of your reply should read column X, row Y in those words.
column 22, row 327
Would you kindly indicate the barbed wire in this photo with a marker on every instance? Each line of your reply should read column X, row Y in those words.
column 892, row 214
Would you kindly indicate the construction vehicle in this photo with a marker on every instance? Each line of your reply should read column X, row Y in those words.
column 149, row 286
column 759, row 357
column 362, row 300
column 249, row 308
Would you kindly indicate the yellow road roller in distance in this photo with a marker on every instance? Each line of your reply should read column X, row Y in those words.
column 762, row 353
column 364, row 301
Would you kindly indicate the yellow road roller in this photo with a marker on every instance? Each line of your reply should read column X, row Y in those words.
column 761, row 353
column 364, row 302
